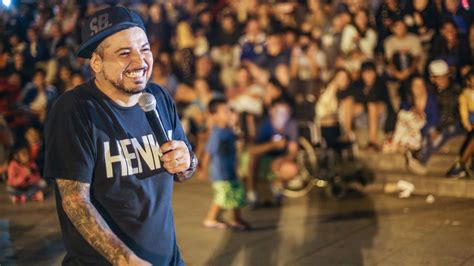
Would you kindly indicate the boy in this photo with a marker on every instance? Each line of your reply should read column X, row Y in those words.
column 221, row 157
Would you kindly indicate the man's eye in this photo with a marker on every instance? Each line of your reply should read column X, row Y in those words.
column 146, row 49
column 124, row 54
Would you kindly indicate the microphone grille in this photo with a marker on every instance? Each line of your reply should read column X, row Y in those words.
column 147, row 102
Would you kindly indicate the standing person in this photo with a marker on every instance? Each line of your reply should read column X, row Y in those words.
column 466, row 111
column 114, row 181
column 222, row 159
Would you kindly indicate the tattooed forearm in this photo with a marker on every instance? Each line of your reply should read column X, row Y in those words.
column 87, row 220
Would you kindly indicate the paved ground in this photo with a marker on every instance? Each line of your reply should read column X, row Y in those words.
column 376, row 229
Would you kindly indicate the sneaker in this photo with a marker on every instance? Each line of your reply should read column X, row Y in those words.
column 457, row 171
column 414, row 165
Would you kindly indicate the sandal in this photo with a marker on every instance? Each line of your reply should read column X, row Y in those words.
column 215, row 225
column 240, row 226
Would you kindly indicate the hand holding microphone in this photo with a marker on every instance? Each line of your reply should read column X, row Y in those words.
column 176, row 157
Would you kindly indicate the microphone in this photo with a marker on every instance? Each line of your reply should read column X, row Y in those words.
column 147, row 103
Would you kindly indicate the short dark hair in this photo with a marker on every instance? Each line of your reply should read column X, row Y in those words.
column 40, row 71
column 368, row 65
column 281, row 100
column 19, row 146
column 214, row 104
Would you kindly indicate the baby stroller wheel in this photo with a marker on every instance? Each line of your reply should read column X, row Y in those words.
column 301, row 184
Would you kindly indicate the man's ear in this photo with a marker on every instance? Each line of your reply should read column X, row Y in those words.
column 96, row 63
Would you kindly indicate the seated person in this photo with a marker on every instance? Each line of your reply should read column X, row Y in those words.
column 24, row 181
column 37, row 97
column 370, row 94
column 448, row 125
column 424, row 104
column 334, row 109
column 412, row 121
column 276, row 147
column 403, row 52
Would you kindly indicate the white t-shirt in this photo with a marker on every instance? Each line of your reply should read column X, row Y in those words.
column 410, row 43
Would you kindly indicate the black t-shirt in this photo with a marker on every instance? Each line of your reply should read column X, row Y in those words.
column 91, row 139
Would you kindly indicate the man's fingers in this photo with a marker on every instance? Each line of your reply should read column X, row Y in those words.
column 172, row 155
column 175, row 156
column 174, row 167
column 168, row 146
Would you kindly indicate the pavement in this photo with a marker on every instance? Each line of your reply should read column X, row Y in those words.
column 372, row 229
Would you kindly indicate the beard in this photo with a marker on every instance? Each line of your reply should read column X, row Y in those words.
column 120, row 85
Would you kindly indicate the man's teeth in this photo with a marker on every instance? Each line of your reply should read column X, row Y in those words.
column 135, row 74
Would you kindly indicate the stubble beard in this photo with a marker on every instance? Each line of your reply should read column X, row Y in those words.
column 120, row 86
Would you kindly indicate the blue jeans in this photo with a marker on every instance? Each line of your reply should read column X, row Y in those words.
column 428, row 147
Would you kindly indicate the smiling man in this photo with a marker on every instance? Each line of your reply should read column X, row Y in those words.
column 114, row 182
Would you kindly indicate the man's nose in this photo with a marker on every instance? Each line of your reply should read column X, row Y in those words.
column 138, row 59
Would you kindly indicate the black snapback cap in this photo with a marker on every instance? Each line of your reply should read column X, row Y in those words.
column 104, row 23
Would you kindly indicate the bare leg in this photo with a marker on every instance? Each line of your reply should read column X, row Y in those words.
column 373, row 122
column 468, row 152
column 251, row 180
column 237, row 221
column 236, row 215
column 212, row 214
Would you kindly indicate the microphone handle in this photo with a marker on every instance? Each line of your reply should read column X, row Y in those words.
column 155, row 123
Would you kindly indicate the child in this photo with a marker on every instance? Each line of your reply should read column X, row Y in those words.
column 24, row 181
column 221, row 157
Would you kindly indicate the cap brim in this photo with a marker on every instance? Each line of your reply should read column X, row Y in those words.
column 87, row 48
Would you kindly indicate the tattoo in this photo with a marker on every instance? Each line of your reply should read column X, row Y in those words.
column 87, row 220
column 187, row 174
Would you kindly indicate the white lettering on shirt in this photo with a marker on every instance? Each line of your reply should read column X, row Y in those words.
column 149, row 152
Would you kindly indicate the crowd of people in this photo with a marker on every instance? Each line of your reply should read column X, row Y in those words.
column 403, row 67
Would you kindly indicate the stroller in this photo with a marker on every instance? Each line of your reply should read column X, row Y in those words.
column 325, row 161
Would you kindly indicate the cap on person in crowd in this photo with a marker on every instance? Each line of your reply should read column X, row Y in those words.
column 438, row 67
column 104, row 23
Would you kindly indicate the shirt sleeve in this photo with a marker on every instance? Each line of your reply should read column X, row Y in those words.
column 292, row 131
column 347, row 42
column 70, row 150
column 212, row 145
column 463, row 111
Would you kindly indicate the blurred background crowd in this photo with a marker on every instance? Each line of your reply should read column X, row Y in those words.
column 400, row 69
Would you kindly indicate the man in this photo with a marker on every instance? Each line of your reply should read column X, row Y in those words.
column 114, row 182
column 403, row 51
column 275, row 149
column 447, row 93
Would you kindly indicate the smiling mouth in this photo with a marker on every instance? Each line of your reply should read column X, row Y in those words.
column 135, row 73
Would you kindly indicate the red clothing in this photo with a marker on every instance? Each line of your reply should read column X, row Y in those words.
column 20, row 176
column 34, row 151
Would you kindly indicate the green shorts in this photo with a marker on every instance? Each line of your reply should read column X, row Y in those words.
column 265, row 168
column 229, row 194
